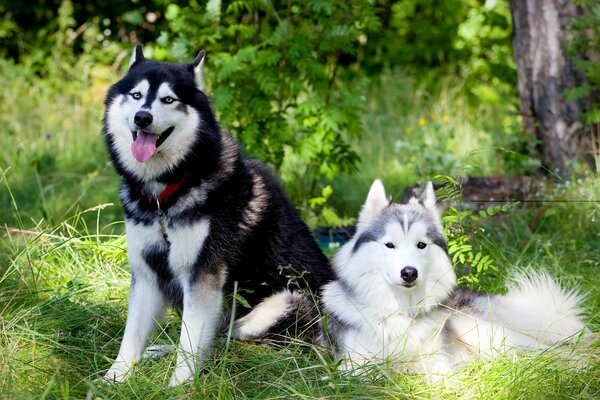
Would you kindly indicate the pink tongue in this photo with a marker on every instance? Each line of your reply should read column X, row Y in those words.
column 144, row 146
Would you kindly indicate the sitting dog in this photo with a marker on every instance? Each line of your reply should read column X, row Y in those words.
column 199, row 218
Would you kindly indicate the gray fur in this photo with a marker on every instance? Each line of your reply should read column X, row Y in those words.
column 400, row 214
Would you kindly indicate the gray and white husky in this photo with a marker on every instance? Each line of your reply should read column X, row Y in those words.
column 199, row 218
column 395, row 298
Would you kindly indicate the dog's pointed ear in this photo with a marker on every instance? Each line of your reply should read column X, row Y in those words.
column 376, row 202
column 137, row 57
column 197, row 64
column 428, row 196
column 429, row 201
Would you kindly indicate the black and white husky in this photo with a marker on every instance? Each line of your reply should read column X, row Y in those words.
column 395, row 298
column 199, row 217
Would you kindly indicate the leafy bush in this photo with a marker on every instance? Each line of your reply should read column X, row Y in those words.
column 282, row 77
column 586, row 45
column 471, row 262
column 30, row 32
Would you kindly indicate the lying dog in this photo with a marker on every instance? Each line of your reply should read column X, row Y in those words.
column 395, row 298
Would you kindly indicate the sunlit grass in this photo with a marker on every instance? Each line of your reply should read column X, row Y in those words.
column 64, row 275
column 63, row 297
column 415, row 129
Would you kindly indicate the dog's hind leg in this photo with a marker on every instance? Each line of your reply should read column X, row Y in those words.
column 202, row 310
column 274, row 311
column 146, row 306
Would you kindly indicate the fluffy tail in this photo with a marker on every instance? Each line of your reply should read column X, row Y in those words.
column 287, row 313
column 538, row 307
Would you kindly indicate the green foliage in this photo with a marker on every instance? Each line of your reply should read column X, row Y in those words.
column 51, row 151
column 425, row 29
column 586, row 46
column 460, row 226
column 33, row 32
column 319, row 213
column 287, row 79
column 484, row 40
column 278, row 79
column 471, row 37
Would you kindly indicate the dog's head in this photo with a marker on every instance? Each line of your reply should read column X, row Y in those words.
column 155, row 113
column 404, row 243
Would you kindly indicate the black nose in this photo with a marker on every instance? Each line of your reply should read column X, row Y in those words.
column 409, row 274
column 142, row 119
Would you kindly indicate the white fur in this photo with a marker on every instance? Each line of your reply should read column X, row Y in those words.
column 120, row 114
column 428, row 200
column 202, row 300
column 386, row 317
column 133, row 57
column 256, row 206
column 536, row 312
column 198, row 74
column 146, row 302
column 380, row 320
column 266, row 314
column 202, row 310
column 376, row 201
column 186, row 244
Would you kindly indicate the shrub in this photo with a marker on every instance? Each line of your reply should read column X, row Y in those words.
column 586, row 46
column 283, row 77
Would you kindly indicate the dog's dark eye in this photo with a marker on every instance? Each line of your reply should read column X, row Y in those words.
column 168, row 100
column 136, row 95
column 421, row 245
column 390, row 245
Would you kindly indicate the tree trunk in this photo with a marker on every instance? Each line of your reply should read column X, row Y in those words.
column 541, row 36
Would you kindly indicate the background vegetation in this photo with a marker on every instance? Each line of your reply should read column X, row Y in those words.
column 331, row 94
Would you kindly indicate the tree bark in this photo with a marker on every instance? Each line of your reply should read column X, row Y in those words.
column 541, row 36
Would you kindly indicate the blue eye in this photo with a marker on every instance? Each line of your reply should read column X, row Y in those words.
column 168, row 100
column 136, row 95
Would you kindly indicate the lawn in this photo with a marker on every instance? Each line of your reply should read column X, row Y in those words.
column 64, row 274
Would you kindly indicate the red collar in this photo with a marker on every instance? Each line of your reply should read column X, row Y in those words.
column 168, row 191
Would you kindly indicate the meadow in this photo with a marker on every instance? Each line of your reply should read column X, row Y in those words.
column 64, row 274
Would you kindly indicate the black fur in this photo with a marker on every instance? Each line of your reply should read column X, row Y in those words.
column 157, row 259
column 279, row 252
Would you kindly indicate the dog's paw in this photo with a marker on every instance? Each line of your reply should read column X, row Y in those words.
column 182, row 374
column 119, row 372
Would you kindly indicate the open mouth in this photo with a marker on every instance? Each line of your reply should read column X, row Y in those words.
column 160, row 139
column 145, row 143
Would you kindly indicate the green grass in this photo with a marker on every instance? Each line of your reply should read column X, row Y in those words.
column 63, row 301
column 51, row 149
column 415, row 129
column 64, row 275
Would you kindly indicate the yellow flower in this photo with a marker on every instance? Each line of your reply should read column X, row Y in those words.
column 422, row 121
column 445, row 118
column 432, row 117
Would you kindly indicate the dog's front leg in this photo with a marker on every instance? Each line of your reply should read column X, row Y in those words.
column 146, row 306
column 202, row 309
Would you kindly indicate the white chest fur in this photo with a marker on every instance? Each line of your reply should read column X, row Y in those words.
column 184, row 247
column 186, row 243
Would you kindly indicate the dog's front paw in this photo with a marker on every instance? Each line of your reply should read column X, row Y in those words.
column 119, row 372
column 183, row 373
